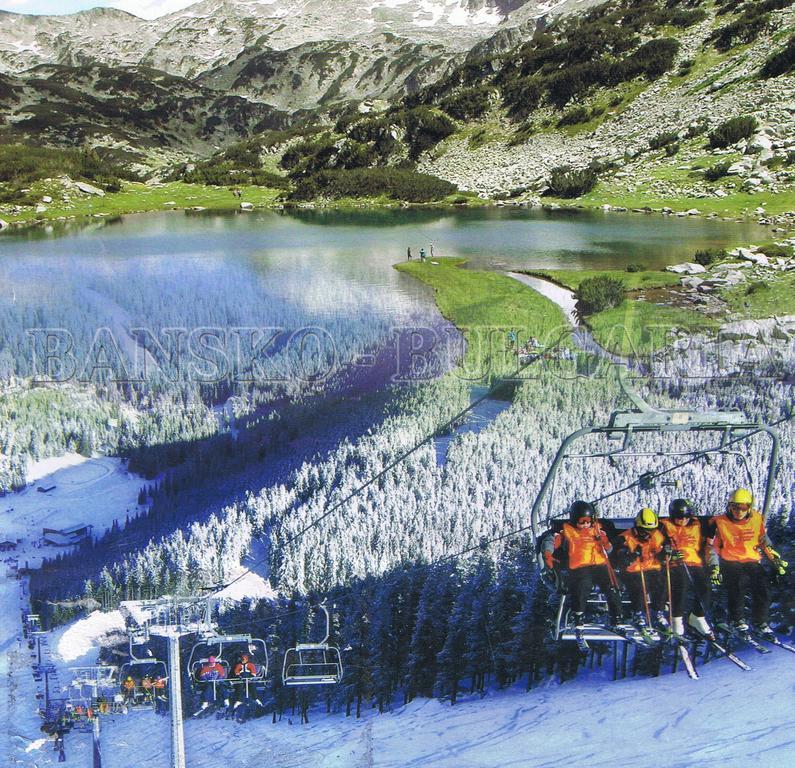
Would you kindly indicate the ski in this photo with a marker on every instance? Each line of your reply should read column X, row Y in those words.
column 582, row 643
column 722, row 650
column 635, row 635
column 745, row 637
column 681, row 649
column 686, row 660
column 774, row 640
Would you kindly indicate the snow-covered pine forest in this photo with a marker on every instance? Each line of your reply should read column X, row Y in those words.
column 413, row 625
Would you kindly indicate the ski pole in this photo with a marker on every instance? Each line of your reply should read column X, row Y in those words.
column 643, row 585
column 670, row 591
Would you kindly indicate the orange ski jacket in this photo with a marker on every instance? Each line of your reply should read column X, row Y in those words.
column 742, row 541
column 687, row 539
column 583, row 546
column 649, row 550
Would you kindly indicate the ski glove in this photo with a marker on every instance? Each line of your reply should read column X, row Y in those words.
column 780, row 565
column 715, row 575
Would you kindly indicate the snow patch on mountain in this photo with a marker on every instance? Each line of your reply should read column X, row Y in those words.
column 83, row 636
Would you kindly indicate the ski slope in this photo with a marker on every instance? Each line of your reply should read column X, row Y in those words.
column 93, row 491
column 727, row 719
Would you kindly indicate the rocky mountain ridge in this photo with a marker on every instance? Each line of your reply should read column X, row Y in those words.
column 212, row 33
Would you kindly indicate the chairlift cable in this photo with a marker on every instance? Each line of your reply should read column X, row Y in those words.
column 353, row 494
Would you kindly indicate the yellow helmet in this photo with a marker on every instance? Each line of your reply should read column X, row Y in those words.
column 741, row 496
column 647, row 518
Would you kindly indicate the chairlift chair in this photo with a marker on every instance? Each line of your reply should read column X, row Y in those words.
column 138, row 669
column 228, row 651
column 313, row 663
column 726, row 429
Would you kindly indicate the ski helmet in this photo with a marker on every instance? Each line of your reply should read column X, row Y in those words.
column 646, row 519
column 742, row 496
column 580, row 509
column 680, row 508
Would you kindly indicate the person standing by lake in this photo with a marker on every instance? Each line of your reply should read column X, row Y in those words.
column 422, row 254
column 431, row 250
column 408, row 253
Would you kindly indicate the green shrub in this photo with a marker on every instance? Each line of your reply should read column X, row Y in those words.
column 685, row 67
column 672, row 149
column 717, row 171
column 469, row 103
column 596, row 294
column 663, row 139
column 773, row 251
column 521, row 96
column 22, row 164
column 567, row 182
column 708, row 256
column 732, row 131
column 697, row 128
column 396, row 183
column 780, row 63
column 635, row 267
column 425, row 128
column 575, row 116
column 742, row 31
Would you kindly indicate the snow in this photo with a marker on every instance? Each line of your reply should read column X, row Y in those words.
column 43, row 467
column 641, row 722
column 460, row 17
column 251, row 586
column 82, row 637
column 92, row 491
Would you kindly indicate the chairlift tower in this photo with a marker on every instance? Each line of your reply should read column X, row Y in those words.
column 171, row 618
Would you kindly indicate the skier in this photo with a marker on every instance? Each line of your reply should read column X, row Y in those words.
column 147, row 686
column 739, row 540
column 685, row 552
column 639, row 552
column 159, row 688
column 583, row 546
column 128, row 690
column 246, row 671
column 212, row 674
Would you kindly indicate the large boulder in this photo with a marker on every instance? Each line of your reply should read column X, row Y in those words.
column 759, row 143
column 742, row 330
column 90, row 189
column 688, row 268
column 4, row 225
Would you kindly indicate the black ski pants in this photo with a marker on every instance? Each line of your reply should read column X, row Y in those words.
column 680, row 588
column 654, row 587
column 579, row 583
column 741, row 579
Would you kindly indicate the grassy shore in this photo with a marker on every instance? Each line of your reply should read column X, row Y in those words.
column 136, row 197
column 486, row 306
column 635, row 326
column 632, row 280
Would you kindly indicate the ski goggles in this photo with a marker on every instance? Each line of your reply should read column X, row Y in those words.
column 739, row 507
column 584, row 521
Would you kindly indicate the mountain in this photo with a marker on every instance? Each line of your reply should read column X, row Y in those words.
column 133, row 111
column 210, row 34
column 327, row 72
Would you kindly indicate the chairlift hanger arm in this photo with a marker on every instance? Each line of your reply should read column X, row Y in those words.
column 748, row 429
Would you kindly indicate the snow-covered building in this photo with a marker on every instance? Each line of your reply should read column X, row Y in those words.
column 66, row 537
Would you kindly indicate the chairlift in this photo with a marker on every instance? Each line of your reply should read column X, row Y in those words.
column 229, row 651
column 138, row 677
column 722, row 430
column 313, row 663
column 727, row 428
column 96, row 688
